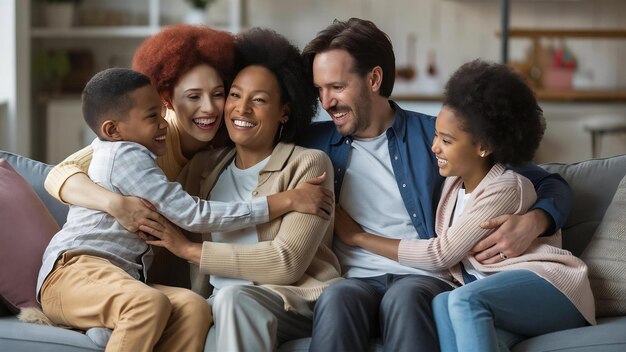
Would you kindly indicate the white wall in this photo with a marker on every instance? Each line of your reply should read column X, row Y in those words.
column 7, row 72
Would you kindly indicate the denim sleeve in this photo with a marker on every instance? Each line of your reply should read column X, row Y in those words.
column 554, row 195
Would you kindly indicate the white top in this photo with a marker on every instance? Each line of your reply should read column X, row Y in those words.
column 462, row 199
column 370, row 195
column 235, row 185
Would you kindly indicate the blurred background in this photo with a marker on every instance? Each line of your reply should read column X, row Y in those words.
column 571, row 51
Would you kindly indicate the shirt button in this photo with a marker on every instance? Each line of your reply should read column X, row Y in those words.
column 335, row 181
column 255, row 193
column 414, row 215
column 395, row 157
column 347, row 141
column 404, row 185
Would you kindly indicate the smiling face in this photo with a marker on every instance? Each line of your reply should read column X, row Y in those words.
column 144, row 123
column 457, row 153
column 254, row 110
column 198, row 100
column 343, row 93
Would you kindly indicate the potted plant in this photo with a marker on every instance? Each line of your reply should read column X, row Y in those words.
column 197, row 13
column 59, row 13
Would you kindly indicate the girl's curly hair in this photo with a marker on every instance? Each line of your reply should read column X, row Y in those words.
column 498, row 109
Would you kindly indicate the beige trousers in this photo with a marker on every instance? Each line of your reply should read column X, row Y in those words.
column 86, row 291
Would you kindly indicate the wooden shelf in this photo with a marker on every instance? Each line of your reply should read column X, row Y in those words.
column 570, row 33
column 571, row 95
column 557, row 96
column 96, row 32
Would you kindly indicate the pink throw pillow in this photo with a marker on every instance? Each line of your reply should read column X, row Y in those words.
column 26, row 227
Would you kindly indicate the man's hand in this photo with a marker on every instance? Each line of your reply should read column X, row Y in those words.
column 513, row 235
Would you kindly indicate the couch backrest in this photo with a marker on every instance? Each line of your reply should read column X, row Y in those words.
column 35, row 172
column 593, row 184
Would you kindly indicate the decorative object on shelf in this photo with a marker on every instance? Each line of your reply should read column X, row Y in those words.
column 408, row 72
column 49, row 69
column 59, row 13
column 197, row 13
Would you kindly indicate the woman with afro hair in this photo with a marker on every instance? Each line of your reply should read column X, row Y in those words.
column 265, row 279
column 490, row 120
column 190, row 67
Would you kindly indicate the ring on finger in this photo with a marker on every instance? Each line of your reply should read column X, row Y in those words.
column 503, row 256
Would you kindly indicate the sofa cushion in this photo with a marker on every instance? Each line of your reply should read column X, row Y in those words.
column 607, row 336
column 35, row 173
column 26, row 229
column 593, row 183
column 18, row 336
column 606, row 258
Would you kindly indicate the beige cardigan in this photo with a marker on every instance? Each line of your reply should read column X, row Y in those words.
column 500, row 192
column 293, row 257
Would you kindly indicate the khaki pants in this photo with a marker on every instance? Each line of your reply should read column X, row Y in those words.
column 86, row 291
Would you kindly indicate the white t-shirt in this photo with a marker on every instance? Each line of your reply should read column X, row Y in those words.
column 370, row 195
column 233, row 185
column 461, row 200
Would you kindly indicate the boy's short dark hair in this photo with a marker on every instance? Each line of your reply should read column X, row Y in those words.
column 107, row 94
column 498, row 108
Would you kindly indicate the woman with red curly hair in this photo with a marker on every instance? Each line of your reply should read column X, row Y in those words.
column 189, row 66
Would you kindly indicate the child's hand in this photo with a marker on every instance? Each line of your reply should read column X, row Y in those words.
column 346, row 228
column 311, row 197
column 130, row 211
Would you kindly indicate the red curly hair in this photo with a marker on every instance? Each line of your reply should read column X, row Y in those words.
column 169, row 54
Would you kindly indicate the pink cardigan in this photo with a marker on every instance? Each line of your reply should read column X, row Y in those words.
column 500, row 192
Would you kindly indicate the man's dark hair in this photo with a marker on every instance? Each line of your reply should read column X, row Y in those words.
column 107, row 94
column 266, row 48
column 498, row 109
column 368, row 46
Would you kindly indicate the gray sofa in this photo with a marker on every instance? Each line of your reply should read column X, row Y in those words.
column 593, row 183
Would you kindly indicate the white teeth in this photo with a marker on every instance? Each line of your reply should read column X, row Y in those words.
column 242, row 123
column 340, row 115
column 441, row 161
column 162, row 138
column 204, row 121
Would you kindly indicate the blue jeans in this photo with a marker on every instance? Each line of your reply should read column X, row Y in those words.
column 519, row 302
column 396, row 307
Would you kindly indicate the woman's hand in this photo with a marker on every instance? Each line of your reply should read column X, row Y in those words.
column 130, row 211
column 311, row 197
column 162, row 233
column 348, row 230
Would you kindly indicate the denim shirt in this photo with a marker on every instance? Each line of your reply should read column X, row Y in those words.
column 416, row 172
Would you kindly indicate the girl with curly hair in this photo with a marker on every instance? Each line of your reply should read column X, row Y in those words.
column 190, row 67
column 490, row 120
